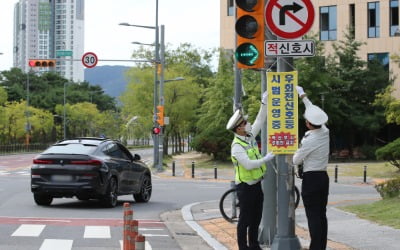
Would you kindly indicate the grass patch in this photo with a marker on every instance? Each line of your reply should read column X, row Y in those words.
column 356, row 169
column 384, row 212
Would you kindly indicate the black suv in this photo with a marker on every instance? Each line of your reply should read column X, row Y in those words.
column 89, row 168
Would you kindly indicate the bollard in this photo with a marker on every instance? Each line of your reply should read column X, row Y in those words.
column 133, row 233
column 139, row 244
column 128, row 215
column 215, row 171
column 192, row 169
column 365, row 174
column 336, row 173
column 173, row 168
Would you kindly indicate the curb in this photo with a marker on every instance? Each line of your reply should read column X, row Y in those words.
column 188, row 218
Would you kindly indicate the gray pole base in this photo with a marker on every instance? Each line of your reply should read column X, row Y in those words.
column 286, row 243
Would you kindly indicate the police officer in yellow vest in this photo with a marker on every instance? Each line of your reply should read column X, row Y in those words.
column 250, row 168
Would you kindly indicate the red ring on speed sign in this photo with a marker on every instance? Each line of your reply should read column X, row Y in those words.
column 272, row 20
column 89, row 59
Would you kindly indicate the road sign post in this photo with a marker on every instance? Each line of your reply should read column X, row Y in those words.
column 89, row 60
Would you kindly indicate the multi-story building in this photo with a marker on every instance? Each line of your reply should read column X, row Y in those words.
column 373, row 22
column 50, row 29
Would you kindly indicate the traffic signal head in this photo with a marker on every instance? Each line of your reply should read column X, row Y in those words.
column 160, row 115
column 250, row 30
column 42, row 63
column 156, row 130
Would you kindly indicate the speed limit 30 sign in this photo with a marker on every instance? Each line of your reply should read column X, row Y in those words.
column 89, row 59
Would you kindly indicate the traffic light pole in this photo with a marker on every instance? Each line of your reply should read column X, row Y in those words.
column 285, row 238
column 157, row 61
column 161, row 134
column 268, row 220
column 269, row 183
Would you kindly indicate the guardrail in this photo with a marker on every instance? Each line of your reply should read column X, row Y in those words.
column 23, row 148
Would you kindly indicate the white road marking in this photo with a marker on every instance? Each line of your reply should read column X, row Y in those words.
column 155, row 235
column 150, row 229
column 45, row 220
column 97, row 232
column 51, row 244
column 147, row 245
column 29, row 230
column 2, row 172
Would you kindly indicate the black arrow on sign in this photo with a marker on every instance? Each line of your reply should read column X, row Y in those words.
column 282, row 13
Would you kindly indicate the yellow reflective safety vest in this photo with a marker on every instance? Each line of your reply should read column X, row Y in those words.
column 241, row 173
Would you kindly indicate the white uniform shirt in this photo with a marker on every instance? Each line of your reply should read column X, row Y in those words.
column 240, row 153
column 314, row 150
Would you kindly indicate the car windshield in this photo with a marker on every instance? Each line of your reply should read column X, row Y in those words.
column 72, row 148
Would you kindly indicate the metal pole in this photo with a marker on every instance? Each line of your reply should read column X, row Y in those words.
column 285, row 238
column 365, row 174
column 28, row 125
column 162, row 63
column 269, row 183
column 336, row 173
column 192, row 169
column 234, row 199
column 64, row 116
column 268, row 221
column 215, row 171
column 238, row 83
column 157, row 59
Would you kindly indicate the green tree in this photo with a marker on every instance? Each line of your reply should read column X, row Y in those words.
column 390, row 153
column 212, row 137
column 349, row 86
column 391, row 104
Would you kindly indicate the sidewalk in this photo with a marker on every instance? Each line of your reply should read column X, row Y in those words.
column 346, row 231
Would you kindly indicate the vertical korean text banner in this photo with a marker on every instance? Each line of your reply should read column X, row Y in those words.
column 282, row 113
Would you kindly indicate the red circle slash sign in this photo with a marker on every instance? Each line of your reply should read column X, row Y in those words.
column 289, row 19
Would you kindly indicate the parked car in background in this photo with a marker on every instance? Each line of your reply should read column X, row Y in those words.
column 89, row 168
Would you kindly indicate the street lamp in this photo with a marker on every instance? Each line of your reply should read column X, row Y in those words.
column 157, row 62
column 139, row 43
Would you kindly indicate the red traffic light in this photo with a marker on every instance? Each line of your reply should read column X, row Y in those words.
column 42, row 62
column 156, row 130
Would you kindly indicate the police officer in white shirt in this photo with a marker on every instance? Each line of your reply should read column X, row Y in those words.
column 313, row 154
column 250, row 168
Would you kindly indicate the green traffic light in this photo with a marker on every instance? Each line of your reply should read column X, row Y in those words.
column 247, row 54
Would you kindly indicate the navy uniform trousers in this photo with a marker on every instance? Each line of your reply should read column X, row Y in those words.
column 314, row 192
column 251, row 199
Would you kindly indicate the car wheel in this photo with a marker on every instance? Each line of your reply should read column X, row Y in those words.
column 111, row 197
column 42, row 200
column 145, row 190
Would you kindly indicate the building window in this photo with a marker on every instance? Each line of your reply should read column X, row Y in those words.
column 373, row 19
column 394, row 17
column 231, row 8
column 352, row 20
column 327, row 21
column 383, row 59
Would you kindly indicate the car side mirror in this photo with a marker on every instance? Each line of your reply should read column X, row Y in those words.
column 136, row 157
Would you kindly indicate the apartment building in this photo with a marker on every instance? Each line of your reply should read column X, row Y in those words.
column 50, row 29
column 375, row 23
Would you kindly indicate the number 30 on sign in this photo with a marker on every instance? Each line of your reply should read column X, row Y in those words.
column 89, row 60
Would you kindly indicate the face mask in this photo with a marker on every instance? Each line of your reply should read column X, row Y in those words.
column 247, row 128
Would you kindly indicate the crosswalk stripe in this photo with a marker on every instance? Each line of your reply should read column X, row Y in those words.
column 97, row 232
column 28, row 230
column 155, row 235
column 51, row 244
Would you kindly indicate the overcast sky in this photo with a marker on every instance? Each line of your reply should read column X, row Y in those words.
column 195, row 22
